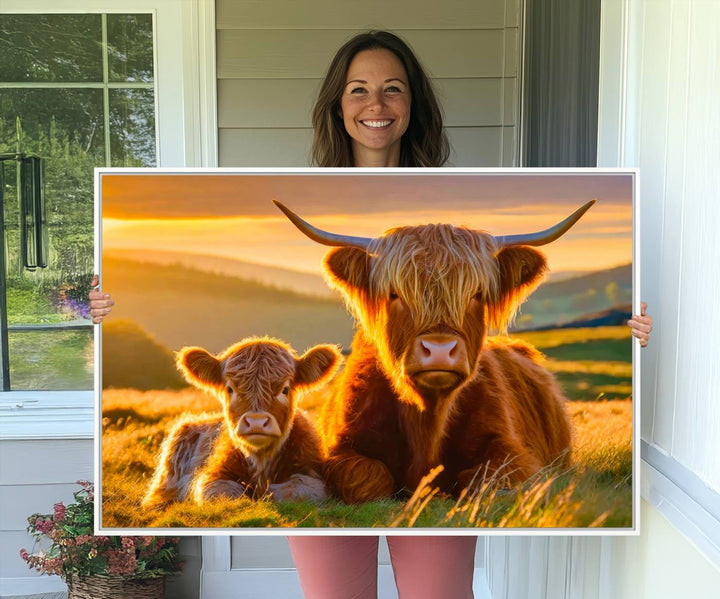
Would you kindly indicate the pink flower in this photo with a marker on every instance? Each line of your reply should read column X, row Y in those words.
column 128, row 542
column 71, row 554
column 53, row 565
column 121, row 562
column 59, row 512
column 44, row 526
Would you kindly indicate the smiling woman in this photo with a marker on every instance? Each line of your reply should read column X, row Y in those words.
column 377, row 99
column 346, row 142
column 375, row 107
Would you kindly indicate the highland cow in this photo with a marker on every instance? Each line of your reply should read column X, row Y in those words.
column 424, row 385
column 261, row 443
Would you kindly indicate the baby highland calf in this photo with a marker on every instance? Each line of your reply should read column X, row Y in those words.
column 261, row 444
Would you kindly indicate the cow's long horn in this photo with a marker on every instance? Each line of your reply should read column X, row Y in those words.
column 546, row 236
column 321, row 236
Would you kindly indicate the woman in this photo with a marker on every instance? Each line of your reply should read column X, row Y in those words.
column 377, row 108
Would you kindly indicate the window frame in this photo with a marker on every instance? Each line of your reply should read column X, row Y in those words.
column 183, row 32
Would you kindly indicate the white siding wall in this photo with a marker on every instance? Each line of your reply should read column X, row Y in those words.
column 544, row 567
column 660, row 85
column 671, row 130
column 673, row 135
column 34, row 475
column 271, row 58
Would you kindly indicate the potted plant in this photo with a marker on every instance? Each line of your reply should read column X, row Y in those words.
column 96, row 567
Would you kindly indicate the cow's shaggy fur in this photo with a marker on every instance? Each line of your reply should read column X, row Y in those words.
column 392, row 419
column 261, row 443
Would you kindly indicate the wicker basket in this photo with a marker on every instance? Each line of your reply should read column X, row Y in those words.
column 116, row 587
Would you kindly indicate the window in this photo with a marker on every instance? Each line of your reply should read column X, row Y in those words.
column 78, row 90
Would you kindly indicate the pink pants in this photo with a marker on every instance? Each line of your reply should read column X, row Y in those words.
column 346, row 567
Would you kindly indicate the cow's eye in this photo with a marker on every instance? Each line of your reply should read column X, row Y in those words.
column 393, row 296
column 229, row 389
column 286, row 389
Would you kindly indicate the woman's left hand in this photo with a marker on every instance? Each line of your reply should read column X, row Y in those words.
column 640, row 326
column 100, row 303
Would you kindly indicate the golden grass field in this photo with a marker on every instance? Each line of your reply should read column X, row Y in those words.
column 596, row 491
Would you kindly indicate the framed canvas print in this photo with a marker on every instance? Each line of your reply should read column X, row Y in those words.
column 335, row 351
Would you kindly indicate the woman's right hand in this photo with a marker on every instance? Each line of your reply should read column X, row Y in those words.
column 100, row 303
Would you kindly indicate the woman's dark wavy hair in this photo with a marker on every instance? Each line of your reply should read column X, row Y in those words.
column 423, row 144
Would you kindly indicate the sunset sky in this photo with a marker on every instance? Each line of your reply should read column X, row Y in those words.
column 231, row 214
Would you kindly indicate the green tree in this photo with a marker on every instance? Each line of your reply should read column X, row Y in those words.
column 66, row 127
column 612, row 291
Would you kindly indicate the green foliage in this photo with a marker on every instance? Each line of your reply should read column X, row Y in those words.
column 558, row 302
column 612, row 292
column 133, row 358
column 75, row 553
column 52, row 360
column 590, row 349
column 68, row 192
column 596, row 491
column 50, row 47
column 46, row 297
column 587, row 301
column 589, row 363
column 66, row 127
column 27, row 305
column 593, row 493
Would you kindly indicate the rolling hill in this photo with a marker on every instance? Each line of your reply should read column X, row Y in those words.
column 184, row 306
column 216, row 301
column 133, row 358
column 556, row 303
column 283, row 278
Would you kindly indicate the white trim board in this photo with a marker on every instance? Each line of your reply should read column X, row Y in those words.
column 693, row 514
column 46, row 415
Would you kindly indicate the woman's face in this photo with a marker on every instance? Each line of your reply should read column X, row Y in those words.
column 375, row 107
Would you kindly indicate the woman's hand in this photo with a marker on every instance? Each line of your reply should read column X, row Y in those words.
column 640, row 326
column 100, row 303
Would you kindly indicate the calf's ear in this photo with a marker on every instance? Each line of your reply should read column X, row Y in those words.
column 347, row 269
column 316, row 366
column 199, row 367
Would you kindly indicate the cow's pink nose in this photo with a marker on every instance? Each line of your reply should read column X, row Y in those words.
column 438, row 350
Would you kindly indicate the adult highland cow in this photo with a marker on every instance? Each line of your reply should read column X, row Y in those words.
column 424, row 385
